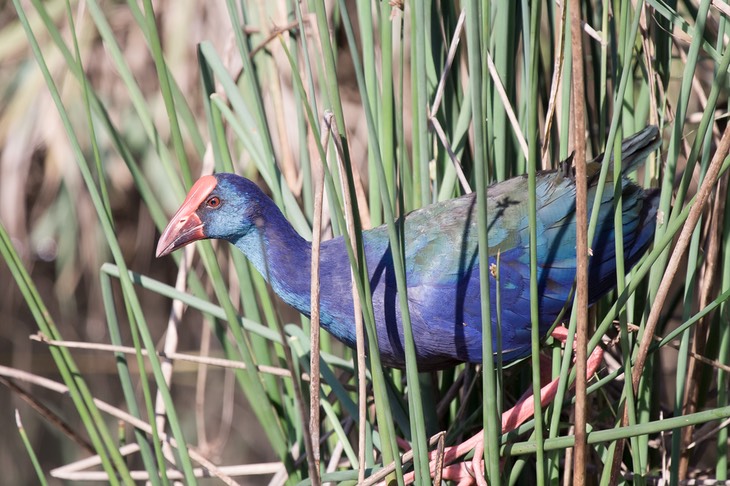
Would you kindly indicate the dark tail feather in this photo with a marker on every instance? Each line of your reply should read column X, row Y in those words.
column 636, row 148
column 602, row 273
column 647, row 226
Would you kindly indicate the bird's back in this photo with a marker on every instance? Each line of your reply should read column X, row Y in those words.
column 442, row 266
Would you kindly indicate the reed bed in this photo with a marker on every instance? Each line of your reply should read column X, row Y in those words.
column 190, row 369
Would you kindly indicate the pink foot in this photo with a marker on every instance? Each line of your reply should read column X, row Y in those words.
column 466, row 473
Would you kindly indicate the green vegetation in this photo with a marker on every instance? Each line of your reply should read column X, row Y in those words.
column 109, row 112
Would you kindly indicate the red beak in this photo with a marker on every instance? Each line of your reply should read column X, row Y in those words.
column 186, row 227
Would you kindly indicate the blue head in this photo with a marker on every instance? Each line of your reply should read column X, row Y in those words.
column 223, row 206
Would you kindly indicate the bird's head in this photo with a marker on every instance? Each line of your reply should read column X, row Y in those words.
column 223, row 206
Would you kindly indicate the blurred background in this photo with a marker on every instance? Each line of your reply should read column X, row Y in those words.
column 131, row 141
column 53, row 225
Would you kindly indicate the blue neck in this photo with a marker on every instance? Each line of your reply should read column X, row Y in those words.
column 281, row 256
column 284, row 259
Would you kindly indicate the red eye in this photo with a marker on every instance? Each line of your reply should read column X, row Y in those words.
column 213, row 202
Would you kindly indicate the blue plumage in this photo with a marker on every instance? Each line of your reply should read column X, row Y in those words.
column 441, row 258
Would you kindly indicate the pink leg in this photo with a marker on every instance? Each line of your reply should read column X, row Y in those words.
column 511, row 419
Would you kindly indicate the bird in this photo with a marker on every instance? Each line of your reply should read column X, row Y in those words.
column 441, row 257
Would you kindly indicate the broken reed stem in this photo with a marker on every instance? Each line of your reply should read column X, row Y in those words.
column 359, row 326
column 314, row 354
column 581, row 257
